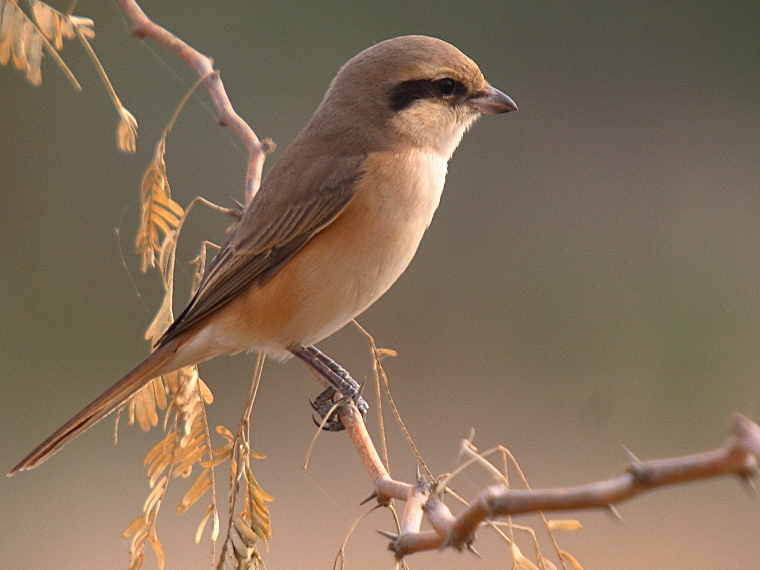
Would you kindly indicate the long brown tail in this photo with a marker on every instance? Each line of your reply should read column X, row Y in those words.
column 99, row 408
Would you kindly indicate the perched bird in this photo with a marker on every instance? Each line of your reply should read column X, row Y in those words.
column 334, row 224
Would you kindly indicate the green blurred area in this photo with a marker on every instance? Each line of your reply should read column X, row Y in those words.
column 591, row 278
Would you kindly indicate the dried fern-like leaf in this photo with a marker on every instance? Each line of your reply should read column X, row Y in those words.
column 84, row 26
column 202, row 526
column 6, row 13
column 126, row 131
column 136, row 525
column 160, row 323
column 18, row 53
column 545, row 563
column 34, row 57
column 196, row 491
column 50, row 22
column 156, row 494
column 257, row 511
column 564, row 524
column 160, row 457
column 184, row 464
column 571, row 559
column 143, row 407
column 22, row 39
column 225, row 433
column 219, row 455
column 208, row 397
column 160, row 214
column 158, row 549
column 245, row 532
column 520, row 561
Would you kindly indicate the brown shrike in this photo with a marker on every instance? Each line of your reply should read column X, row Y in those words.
column 334, row 224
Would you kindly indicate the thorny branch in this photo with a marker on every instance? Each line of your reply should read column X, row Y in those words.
column 738, row 456
column 204, row 67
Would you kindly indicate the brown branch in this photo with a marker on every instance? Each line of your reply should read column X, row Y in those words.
column 204, row 67
column 738, row 456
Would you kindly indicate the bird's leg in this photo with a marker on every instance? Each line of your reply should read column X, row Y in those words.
column 338, row 377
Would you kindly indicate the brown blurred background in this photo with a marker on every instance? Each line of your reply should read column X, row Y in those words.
column 590, row 281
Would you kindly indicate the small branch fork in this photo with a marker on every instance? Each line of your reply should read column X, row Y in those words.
column 739, row 455
column 258, row 150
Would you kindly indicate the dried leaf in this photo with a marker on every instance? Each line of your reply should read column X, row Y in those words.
column 185, row 467
column 258, row 510
column 159, row 212
column 386, row 352
column 241, row 550
column 48, row 19
column 158, row 449
column 520, row 561
column 144, row 404
column 218, row 458
column 225, row 433
column 159, row 392
column 5, row 51
column 206, row 394
column 165, row 254
column 206, row 514
column 126, row 132
column 215, row 531
column 158, row 549
column 8, row 16
column 157, row 468
column 246, row 533
column 18, row 53
column 255, row 484
column 565, row 524
column 569, row 557
column 34, row 58
column 11, row 25
column 134, row 526
column 84, row 25
column 160, row 323
column 547, row 564
column 156, row 494
column 196, row 491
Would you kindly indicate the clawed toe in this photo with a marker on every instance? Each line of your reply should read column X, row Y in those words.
column 324, row 404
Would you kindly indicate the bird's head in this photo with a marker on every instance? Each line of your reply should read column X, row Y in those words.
column 409, row 91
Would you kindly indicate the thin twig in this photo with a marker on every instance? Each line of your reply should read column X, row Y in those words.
column 203, row 65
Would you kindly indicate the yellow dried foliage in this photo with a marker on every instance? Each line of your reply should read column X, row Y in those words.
column 256, row 511
column 574, row 564
column 23, row 39
column 520, row 561
column 143, row 528
column 564, row 524
column 160, row 214
column 126, row 131
column 186, row 444
column 20, row 41
column 56, row 26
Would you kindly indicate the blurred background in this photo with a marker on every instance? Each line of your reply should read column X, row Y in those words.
column 590, row 280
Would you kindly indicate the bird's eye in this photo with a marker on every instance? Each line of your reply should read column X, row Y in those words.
column 446, row 86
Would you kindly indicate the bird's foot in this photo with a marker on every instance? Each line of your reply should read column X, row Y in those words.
column 340, row 381
column 324, row 404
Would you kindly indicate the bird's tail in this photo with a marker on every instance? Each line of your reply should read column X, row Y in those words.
column 154, row 365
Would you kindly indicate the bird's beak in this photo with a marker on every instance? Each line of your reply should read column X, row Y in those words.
column 491, row 101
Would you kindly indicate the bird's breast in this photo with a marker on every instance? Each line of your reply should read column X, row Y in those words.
column 348, row 265
column 384, row 223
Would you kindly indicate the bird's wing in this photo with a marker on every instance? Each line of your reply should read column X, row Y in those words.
column 274, row 227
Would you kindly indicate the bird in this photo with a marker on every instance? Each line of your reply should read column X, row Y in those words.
column 334, row 224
